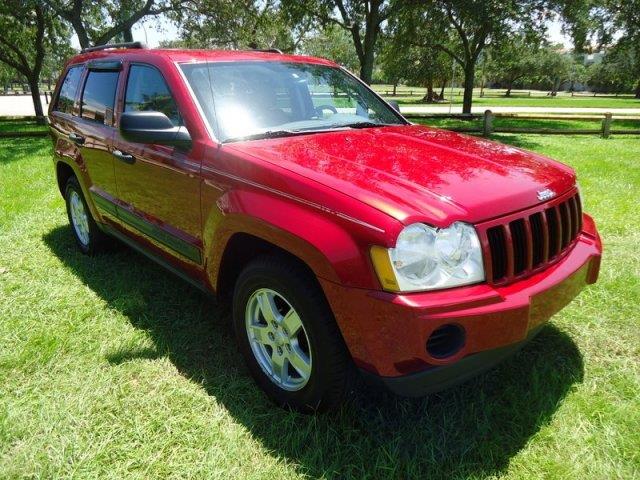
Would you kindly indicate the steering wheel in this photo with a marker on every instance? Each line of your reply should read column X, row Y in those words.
column 320, row 108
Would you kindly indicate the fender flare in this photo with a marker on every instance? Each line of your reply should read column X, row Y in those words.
column 77, row 172
column 319, row 239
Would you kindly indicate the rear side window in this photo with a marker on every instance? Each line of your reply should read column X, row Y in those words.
column 68, row 90
column 99, row 96
column 147, row 91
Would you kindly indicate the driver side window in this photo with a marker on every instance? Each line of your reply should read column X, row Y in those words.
column 147, row 91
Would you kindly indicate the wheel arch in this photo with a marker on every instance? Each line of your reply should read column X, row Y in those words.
column 241, row 248
column 64, row 172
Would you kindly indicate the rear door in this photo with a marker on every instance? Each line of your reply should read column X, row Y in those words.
column 63, row 113
column 158, row 185
column 94, row 129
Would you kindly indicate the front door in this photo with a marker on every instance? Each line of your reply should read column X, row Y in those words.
column 94, row 130
column 158, row 185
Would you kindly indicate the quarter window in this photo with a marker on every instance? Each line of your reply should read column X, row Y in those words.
column 147, row 91
column 99, row 96
column 68, row 90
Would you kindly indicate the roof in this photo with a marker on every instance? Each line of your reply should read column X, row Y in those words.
column 186, row 55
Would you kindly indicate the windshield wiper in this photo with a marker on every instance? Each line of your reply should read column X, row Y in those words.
column 267, row 134
column 364, row 125
column 291, row 133
column 284, row 133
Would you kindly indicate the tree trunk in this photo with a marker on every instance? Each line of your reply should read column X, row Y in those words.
column 469, row 77
column 81, row 32
column 442, row 91
column 428, row 98
column 127, row 35
column 638, row 89
column 37, row 102
column 366, row 65
column 365, row 48
column 395, row 88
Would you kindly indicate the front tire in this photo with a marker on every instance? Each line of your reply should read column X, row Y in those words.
column 86, row 232
column 288, row 336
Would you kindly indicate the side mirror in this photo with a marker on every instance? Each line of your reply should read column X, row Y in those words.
column 395, row 105
column 153, row 127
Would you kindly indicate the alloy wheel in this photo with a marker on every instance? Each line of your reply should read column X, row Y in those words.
column 79, row 217
column 278, row 339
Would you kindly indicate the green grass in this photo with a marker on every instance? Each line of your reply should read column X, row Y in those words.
column 496, row 98
column 20, row 126
column 506, row 122
column 113, row 368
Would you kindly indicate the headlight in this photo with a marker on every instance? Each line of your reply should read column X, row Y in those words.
column 428, row 258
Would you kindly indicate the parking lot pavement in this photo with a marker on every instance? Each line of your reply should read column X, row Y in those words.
column 19, row 105
column 15, row 105
column 503, row 109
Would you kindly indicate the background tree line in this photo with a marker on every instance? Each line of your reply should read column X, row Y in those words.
column 418, row 42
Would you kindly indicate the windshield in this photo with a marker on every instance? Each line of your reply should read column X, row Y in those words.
column 248, row 100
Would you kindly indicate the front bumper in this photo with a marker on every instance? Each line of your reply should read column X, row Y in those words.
column 387, row 333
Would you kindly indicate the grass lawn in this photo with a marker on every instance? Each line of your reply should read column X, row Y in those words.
column 506, row 122
column 111, row 367
column 20, row 126
column 561, row 102
column 495, row 98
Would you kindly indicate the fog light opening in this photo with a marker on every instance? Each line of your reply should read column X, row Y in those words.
column 445, row 341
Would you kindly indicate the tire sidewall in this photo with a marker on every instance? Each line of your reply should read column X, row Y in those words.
column 73, row 185
column 310, row 396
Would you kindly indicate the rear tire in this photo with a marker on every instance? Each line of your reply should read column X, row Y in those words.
column 88, row 236
column 288, row 336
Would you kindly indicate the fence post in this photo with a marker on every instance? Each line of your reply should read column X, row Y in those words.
column 606, row 125
column 487, row 126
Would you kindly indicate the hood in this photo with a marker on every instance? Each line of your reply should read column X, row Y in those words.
column 416, row 173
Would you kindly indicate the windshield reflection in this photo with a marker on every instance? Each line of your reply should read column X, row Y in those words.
column 261, row 99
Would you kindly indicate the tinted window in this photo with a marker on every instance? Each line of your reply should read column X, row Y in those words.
column 147, row 91
column 68, row 90
column 99, row 96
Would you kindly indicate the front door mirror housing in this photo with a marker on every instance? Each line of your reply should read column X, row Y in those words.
column 153, row 127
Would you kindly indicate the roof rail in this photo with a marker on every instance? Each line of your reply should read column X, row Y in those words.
column 267, row 50
column 114, row 45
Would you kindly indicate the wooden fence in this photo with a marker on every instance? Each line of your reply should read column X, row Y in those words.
column 497, row 93
column 484, row 123
column 606, row 128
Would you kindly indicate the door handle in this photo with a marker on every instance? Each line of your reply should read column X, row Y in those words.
column 77, row 139
column 124, row 157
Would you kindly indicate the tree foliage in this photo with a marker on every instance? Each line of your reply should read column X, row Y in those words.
column 618, row 71
column 515, row 60
column 610, row 24
column 237, row 24
column 464, row 28
column 28, row 31
column 404, row 60
column 363, row 20
column 334, row 43
column 96, row 23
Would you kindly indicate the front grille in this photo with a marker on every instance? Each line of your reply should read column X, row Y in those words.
column 528, row 243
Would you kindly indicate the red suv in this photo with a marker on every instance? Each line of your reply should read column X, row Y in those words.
column 346, row 238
